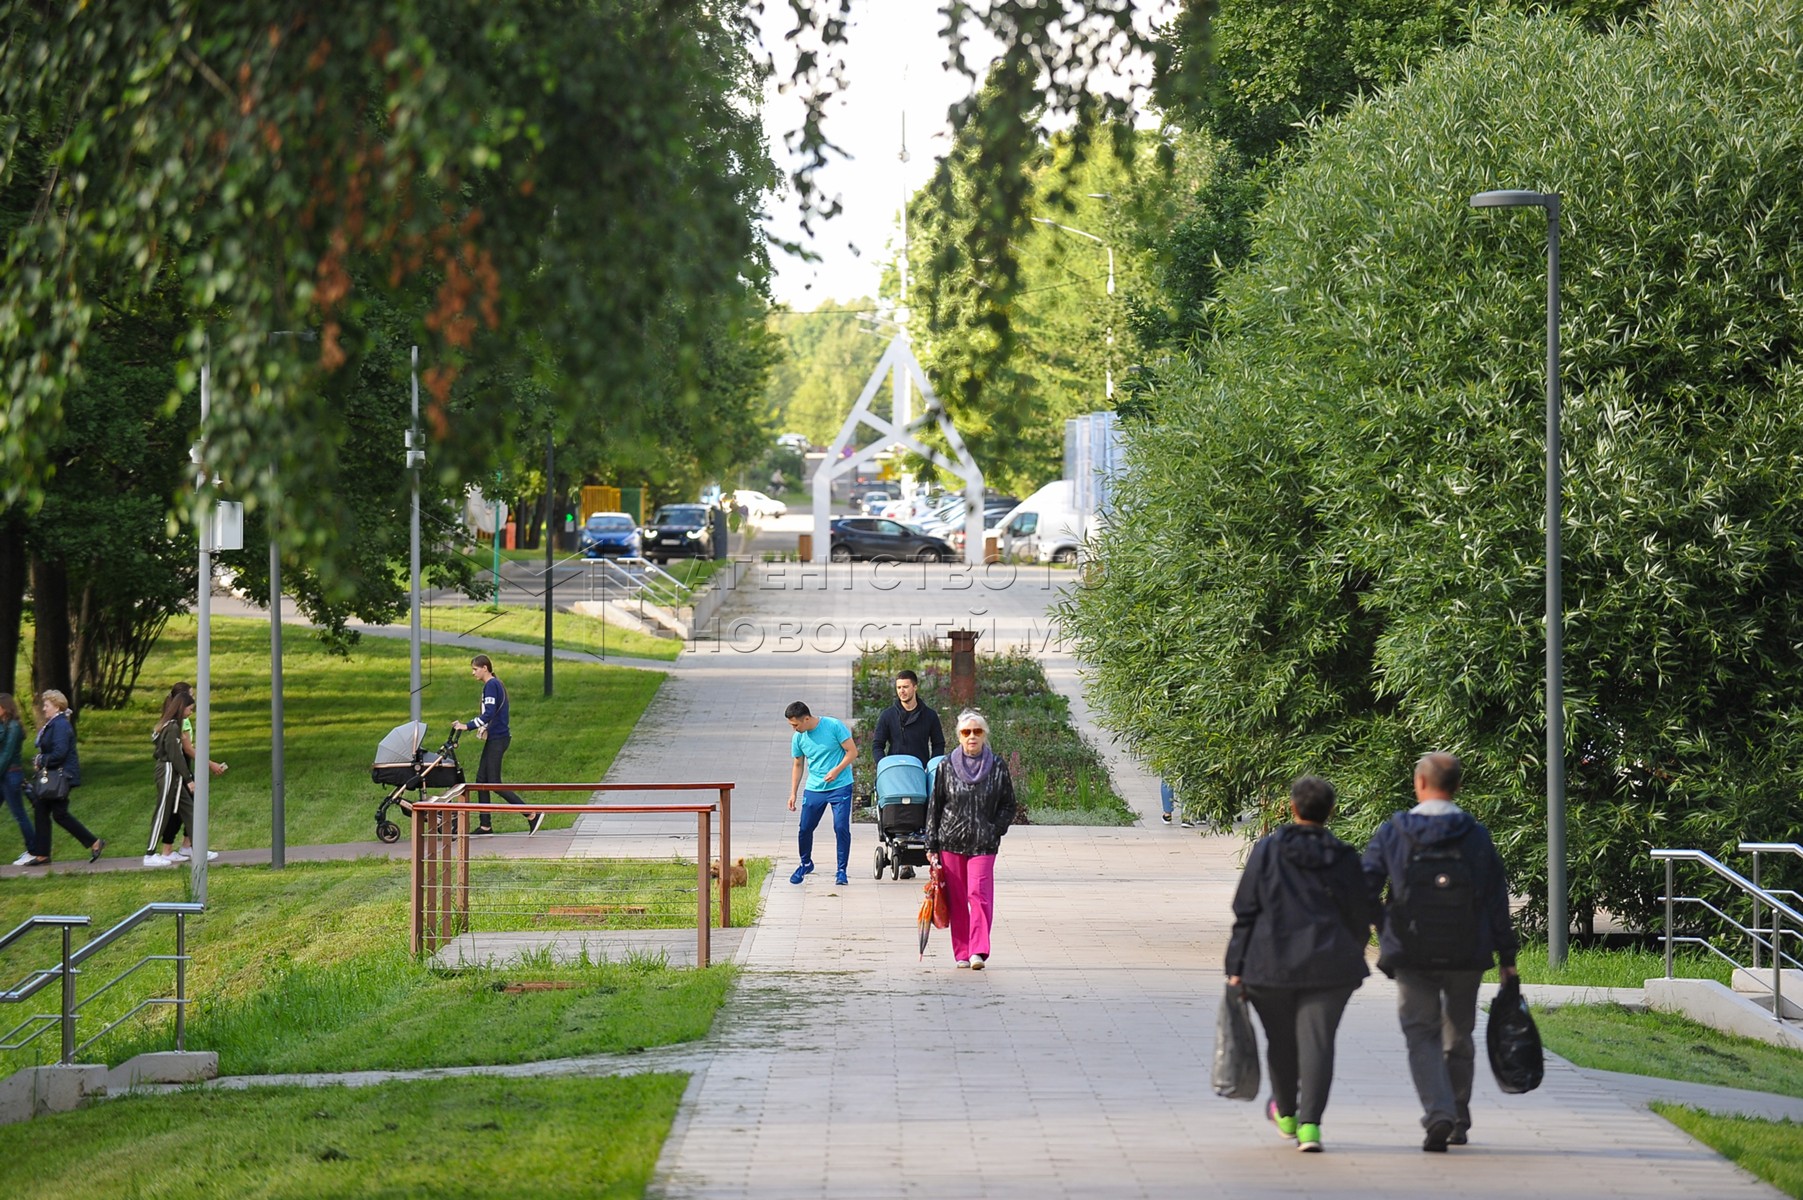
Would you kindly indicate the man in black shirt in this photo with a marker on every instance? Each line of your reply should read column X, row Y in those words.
column 908, row 726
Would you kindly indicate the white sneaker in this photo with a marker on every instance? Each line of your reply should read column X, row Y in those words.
column 212, row 854
column 158, row 860
column 22, row 859
column 176, row 856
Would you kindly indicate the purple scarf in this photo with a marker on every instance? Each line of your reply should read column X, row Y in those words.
column 968, row 769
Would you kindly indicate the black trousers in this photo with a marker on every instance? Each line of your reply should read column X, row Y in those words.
column 58, row 810
column 1300, row 1024
column 488, row 770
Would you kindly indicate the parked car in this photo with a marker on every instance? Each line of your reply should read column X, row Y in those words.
column 885, row 540
column 871, row 503
column 679, row 531
column 758, row 504
column 610, row 535
column 1046, row 527
column 794, row 441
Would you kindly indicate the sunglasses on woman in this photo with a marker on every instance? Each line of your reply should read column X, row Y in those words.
column 970, row 733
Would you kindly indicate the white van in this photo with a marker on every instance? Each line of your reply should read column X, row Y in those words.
column 1045, row 527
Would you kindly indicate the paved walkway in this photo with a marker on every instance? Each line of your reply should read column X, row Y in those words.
column 1077, row 1065
column 845, row 1065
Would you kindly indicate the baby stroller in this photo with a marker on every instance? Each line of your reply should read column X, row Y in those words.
column 402, row 766
column 901, row 815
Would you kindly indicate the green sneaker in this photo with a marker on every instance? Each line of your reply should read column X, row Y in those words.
column 1285, row 1125
column 1308, row 1138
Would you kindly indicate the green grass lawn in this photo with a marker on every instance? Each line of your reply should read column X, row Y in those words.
column 515, row 1138
column 336, row 711
column 589, row 635
column 307, row 969
column 1611, row 1038
column 1772, row 1150
column 1622, row 967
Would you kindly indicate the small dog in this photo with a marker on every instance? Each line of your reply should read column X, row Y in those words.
column 736, row 876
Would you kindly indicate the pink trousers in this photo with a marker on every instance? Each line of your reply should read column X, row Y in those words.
column 970, row 894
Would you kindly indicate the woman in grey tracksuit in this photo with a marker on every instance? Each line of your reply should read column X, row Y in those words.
column 174, row 783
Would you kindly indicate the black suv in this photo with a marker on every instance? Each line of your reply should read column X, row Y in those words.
column 679, row 531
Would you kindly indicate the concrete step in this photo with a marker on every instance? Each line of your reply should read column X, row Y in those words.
column 1712, row 1003
column 1757, row 987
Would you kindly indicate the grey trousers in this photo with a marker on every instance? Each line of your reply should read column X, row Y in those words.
column 1300, row 1024
column 1438, row 1010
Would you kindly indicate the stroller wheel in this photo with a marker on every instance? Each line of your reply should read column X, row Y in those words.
column 388, row 831
column 895, row 869
column 880, row 864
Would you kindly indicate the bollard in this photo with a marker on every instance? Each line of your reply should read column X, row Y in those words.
column 964, row 665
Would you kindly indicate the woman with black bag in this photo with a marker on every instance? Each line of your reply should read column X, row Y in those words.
column 58, row 772
column 1302, row 918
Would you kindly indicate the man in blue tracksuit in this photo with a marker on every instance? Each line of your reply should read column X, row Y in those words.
column 823, row 746
column 491, row 725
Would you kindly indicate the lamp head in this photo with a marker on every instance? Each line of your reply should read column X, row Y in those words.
column 1515, row 199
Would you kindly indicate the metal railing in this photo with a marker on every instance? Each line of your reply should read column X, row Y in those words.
column 440, row 883
column 69, row 968
column 1756, row 849
column 1771, row 939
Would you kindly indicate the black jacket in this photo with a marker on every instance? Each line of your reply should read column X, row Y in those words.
column 970, row 818
column 56, row 748
column 1302, row 915
column 899, row 731
column 1386, row 860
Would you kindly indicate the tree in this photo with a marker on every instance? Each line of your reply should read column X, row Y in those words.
column 1327, row 553
column 828, row 355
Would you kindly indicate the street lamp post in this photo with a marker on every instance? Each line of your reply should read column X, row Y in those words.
column 1558, row 923
column 1108, row 362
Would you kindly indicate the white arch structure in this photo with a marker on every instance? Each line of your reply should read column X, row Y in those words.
column 898, row 362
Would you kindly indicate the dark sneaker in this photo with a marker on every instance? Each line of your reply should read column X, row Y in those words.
column 839, row 879
column 483, row 829
column 1165, row 817
column 801, row 873
column 1458, row 1138
column 533, row 822
column 1438, row 1134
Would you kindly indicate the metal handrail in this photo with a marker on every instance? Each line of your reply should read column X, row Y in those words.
column 1756, row 849
column 70, row 967
column 1779, row 909
column 34, row 982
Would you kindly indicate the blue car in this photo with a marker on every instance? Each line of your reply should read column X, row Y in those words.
column 610, row 535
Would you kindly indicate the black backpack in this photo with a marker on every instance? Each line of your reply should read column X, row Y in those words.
column 1435, row 911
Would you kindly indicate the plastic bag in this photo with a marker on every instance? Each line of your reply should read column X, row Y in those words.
column 1236, row 1072
column 1516, row 1057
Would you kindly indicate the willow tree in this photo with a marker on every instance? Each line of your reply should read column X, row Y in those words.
column 1328, row 556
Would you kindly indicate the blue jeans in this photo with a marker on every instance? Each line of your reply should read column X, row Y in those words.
column 12, row 786
column 1167, row 800
column 813, row 807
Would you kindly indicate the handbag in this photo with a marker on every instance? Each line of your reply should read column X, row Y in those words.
column 942, row 912
column 1236, row 1073
column 1513, row 1040
column 51, row 785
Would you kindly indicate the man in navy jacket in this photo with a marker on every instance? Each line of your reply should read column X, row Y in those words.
column 1437, row 992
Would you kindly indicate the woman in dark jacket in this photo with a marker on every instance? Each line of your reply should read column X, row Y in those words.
column 971, row 808
column 1301, row 922
column 56, row 752
column 12, row 773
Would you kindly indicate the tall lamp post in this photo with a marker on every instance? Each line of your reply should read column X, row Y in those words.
column 1108, row 363
column 1558, row 923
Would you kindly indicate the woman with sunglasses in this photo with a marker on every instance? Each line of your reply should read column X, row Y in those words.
column 971, row 808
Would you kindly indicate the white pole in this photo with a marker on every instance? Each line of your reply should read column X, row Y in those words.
column 203, row 674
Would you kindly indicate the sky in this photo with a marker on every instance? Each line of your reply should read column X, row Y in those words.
column 894, row 68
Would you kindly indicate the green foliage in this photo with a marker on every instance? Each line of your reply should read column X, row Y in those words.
column 564, row 193
column 521, row 1139
column 1059, row 779
column 1064, row 328
column 1328, row 554
column 828, row 355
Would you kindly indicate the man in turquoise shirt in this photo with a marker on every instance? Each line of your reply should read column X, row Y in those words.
column 826, row 747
